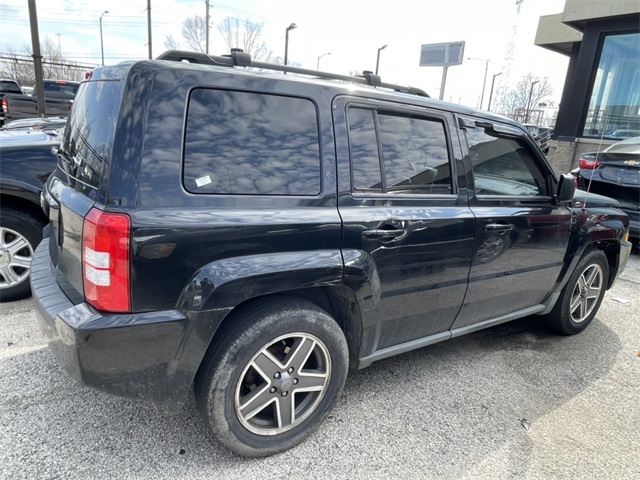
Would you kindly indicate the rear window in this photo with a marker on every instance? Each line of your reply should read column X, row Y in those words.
column 60, row 89
column 7, row 86
column 85, row 149
column 248, row 143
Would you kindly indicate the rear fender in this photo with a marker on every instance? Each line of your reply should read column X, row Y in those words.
column 223, row 284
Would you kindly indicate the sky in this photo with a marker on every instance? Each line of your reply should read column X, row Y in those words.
column 350, row 30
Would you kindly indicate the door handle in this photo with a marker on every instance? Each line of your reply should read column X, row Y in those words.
column 498, row 227
column 382, row 233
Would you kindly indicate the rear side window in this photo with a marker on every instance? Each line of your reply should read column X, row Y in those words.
column 247, row 143
column 504, row 166
column 408, row 154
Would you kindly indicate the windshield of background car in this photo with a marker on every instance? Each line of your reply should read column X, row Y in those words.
column 9, row 87
column 86, row 147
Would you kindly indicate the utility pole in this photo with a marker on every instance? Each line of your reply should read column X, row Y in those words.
column 529, row 106
column 206, row 19
column 37, row 57
column 149, row 28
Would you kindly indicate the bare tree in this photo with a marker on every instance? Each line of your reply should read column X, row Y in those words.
column 194, row 31
column 528, row 93
column 18, row 64
column 247, row 35
column 171, row 43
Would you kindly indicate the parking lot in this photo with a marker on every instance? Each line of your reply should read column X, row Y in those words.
column 514, row 401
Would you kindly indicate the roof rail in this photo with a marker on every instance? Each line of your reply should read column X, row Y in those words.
column 237, row 58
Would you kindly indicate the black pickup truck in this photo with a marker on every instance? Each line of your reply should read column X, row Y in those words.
column 257, row 235
column 58, row 97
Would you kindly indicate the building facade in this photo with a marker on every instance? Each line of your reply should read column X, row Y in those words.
column 601, row 98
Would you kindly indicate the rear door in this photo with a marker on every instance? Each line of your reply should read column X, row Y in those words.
column 521, row 234
column 404, row 210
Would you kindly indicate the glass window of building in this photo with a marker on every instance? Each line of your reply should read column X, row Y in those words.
column 614, row 108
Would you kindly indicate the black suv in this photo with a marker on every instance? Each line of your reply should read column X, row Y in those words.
column 257, row 234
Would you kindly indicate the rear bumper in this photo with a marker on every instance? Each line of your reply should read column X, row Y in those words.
column 147, row 356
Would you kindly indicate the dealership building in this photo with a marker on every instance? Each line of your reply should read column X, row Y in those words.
column 601, row 98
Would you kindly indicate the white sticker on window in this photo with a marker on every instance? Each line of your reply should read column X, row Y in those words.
column 202, row 181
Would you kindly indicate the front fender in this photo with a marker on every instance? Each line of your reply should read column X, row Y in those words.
column 223, row 284
column 603, row 227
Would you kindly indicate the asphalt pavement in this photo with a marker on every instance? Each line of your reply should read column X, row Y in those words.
column 514, row 401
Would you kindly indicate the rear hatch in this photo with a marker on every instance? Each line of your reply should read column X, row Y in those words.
column 80, row 180
column 618, row 176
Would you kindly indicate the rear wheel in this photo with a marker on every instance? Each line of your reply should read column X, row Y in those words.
column 272, row 378
column 582, row 295
column 20, row 234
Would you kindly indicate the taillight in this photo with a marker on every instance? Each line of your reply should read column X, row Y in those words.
column 588, row 164
column 5, row 106
column 106, row 260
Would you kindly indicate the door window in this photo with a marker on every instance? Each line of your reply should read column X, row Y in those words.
column 394, row 153
column 504, row 166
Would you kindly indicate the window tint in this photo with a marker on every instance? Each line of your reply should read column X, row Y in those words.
column 503, row 166
column 414, row 153
column 89, row 131
column 248, row 143
column 365, row 159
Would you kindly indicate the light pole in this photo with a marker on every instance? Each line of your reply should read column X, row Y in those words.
column 378, row 58
column 491, row 92
column 484, row 82
column 101, row 44
column 286, row 42
column 529, row 101
column 319, row 57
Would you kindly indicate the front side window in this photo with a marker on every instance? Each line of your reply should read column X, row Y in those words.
column 411, row 155
column 504, row 166
column 248, row 143
column 614, row 108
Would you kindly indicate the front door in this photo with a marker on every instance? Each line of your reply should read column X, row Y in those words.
column 521, row 234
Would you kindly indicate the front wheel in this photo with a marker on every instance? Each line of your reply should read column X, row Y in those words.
column 273, row 377
column 582, row 295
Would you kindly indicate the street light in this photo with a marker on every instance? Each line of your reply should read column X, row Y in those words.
column 286, row 42
column 378, row 59
column 529, row 101
column 491, row 93
column 319, row 57
column 484, row 82
column 101, row 44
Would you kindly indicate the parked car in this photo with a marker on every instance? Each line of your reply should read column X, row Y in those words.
column 35, row 124
column 58, row 96
column 26, row 161
column 615, row 173
column 257, row 235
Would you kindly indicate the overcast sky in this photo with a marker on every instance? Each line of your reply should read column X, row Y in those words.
column 351, row 30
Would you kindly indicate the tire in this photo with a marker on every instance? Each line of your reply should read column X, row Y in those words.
column 20, row 234
column 582, row 295
column 277, row 352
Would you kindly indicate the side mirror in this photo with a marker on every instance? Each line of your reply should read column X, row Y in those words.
column 566, row 188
